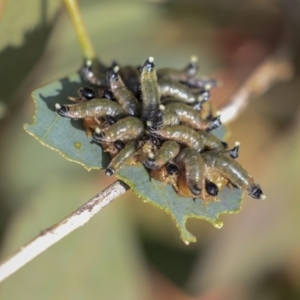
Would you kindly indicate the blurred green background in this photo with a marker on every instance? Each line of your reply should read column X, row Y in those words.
column 132, row 250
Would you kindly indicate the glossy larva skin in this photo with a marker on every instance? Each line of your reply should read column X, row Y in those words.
column 191, row 162
column 149, row 89
column 186, row 114
column 167, row 152
column 182, row 134
column 126, row 129
column 91, row 109
column 233, row 171
column 123, row 157
column 123, row 95
column 178, row 91
column 210, row 141
column 170, row 118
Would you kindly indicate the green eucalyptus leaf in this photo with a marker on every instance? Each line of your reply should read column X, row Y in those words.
column 63, row 135
column 69, row 139
column 179, row 208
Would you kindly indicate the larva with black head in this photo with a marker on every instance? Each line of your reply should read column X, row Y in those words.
column 229, row 168
column 186, row 114
column 94, row 108
column 150, row 93
column 123, row 95
column 124, row 156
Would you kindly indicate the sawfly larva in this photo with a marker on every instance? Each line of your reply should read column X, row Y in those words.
column 229, row 168
column 150, row 93
column 123, row 95
column 94, row 108
column 123, row 157
column 186, row 114
column 182, row 134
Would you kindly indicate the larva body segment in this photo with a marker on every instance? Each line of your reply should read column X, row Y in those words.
column 167, row 152
column 233, row 171
column 186, row 114
column 123, row 95
column 176, row 90
column 204, row 83
column 94, row 108
column 150, row 93
column 182, row 134
column 126, row 129
column 210, row 141
column 191, row 162
column 170, row 118
column 123, row 157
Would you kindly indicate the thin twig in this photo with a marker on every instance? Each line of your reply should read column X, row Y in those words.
column 55, row 233
column 78, row 24
column 268, row 73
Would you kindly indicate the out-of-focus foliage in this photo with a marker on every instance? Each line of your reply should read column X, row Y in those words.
column 25, row 27
column 25, row 16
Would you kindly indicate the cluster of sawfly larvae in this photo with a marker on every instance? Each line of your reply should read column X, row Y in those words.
column 163, row 119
